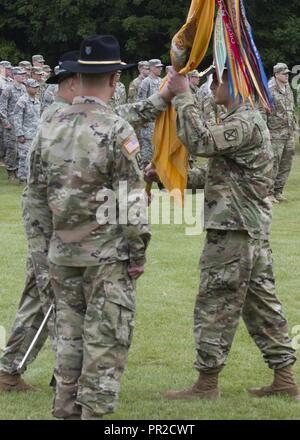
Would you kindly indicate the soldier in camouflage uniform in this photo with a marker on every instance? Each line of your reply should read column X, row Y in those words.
column 281, row 124
column 26, row 65
column 134, row 86
column 148, row 87
column 92, row 266
column 194, row 80
column 49, row 96
column 237, row 277
column 4, row 67
column 37, row 295
column 119, row 97
column 27, row 115
column 38, row 61
column 8, row 100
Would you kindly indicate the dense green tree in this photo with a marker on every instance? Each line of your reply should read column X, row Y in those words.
column 144, row 27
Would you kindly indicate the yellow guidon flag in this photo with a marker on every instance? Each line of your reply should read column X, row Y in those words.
column 188, row 49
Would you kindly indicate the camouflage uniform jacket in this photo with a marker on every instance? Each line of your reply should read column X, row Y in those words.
column 8, row 100
column 49, row 96
column 239, row 173
column 119, row 97
column 148, row 87
column 27, row 115
column 281, row 121
column 134, row 89
column 59, row 103
column 69, row 195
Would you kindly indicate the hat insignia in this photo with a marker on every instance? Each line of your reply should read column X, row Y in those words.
column 88, row 50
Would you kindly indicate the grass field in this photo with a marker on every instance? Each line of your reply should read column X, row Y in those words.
column 162, row 353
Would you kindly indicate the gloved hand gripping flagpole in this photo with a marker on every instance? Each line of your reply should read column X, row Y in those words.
column 21, row 364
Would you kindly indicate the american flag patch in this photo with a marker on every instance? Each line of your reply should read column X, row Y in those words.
column 131, row 145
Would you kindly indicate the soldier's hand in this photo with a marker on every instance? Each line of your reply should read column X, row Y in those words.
column 21, row 139
column 166, row 93
column 177, row 83
column 150, row 174
column 136, row 271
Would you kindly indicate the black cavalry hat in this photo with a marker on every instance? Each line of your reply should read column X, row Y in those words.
column 99, row 54
column 61, row 71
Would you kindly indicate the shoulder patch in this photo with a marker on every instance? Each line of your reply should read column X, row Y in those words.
column 231, row 135
column 131, row 145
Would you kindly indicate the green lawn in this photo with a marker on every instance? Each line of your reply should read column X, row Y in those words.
column 162, row 353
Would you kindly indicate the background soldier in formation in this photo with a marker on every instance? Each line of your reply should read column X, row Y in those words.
column 27, row 115
column 148, row 87
column 9, row 98
column 120, row 96
column 134, row 86
column 281, row 123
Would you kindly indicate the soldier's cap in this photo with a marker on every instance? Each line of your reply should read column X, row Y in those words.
column 281, row 68
column 99, row 54
column 194, row 74
column 47, row 68
column 18, row 71
column 30, row 82
column 61, row 71
column 25, row 64
column 144, row 64
column 38, row 58
column 37, row 70
column 6, row 64
column 155, row 63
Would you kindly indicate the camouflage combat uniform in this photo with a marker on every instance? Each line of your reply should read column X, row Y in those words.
column 2, row 145
column 119, row 97
column 95, row 297
column 27, row 115
column 134, row 89
column 8, row 100
column 148, row 87
column 237, row 276
column 49, row 96
column 282, row 125
column 37, row 295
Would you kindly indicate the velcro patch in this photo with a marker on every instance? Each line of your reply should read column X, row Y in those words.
column 231, row 135
column 131, row 145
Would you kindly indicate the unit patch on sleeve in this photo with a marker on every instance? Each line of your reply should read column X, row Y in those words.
column 131, row 145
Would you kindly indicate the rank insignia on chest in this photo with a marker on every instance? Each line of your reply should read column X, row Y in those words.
column 231, row 135
column 131, row 145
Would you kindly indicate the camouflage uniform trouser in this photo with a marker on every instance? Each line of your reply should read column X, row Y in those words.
column 145, row 138
column 95, row 318
column 284, row 151
column 2, row 145
column 10, row 142
column 237, row 280
column 23, row 150
column 34, row 304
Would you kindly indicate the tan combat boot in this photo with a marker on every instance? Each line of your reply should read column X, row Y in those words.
column 206, row 387
column 14, row 382
column 283, row 384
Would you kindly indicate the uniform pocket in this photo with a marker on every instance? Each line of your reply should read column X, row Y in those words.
column 116, row 325
column 225, row 277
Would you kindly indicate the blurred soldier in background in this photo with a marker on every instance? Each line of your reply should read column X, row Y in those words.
column 134, row 86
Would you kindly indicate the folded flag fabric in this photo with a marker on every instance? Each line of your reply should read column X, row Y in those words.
column 188, row 49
